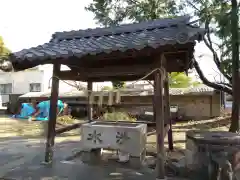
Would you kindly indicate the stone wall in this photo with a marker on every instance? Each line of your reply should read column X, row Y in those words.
column 190, row 107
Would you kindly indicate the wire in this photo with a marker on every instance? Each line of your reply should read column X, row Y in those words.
column 62, row 81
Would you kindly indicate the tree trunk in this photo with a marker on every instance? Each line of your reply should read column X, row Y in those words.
column 235, row 68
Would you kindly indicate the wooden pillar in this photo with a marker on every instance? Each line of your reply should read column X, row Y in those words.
column 90, row 104
column 52, row 114
column 167, row 118
column 159, row 118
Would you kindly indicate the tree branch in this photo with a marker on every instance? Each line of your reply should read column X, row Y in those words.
column 193, row 6
column 208, row 42
column 225, row 84
column 207, row 82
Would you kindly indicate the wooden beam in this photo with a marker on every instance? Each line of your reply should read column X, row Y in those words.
column 159, row 119
column 116, row 72
column 89, row 105
column 68, row 128
column 106, row 72
column 104, row 78
column 52, row 115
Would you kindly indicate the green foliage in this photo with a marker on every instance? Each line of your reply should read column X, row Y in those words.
column 118, row 84
column 215, row 16
column 5, row 65
column 196, row 83
column 4, row 51
column 180, row 80
column 114, row 12
column 117, row 116
column 106, row 88
column 65, row 120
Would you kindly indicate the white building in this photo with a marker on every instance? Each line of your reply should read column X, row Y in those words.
column 32, row 80
column 35, row 80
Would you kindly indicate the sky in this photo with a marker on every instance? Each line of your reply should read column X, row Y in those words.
column 29, row 23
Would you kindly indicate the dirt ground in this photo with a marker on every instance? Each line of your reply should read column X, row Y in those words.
column 20, row 142
column 10, row 128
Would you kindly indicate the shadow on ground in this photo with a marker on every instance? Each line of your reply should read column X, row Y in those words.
column 28, row 154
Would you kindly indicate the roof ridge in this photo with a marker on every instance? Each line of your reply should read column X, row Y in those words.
column 124, row 28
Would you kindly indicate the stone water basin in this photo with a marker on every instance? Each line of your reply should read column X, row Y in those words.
column 202, row 143
column 126, row 137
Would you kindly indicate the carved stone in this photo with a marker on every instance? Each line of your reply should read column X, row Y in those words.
column 124, row 137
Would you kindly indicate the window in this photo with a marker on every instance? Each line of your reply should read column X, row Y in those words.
column 35, row 87
column 6, row 88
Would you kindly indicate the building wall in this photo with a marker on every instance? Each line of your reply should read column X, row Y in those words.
column 64, row 86
column 190, row 106
column 47, row 69
column 21, row 80
column 216, row 105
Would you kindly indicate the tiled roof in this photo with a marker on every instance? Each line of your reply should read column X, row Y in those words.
column 129, row 92
column 123, row 29
column 200, row 90
column 191, row 91
column 48, row 94
column 105, row 40
column 32, row 95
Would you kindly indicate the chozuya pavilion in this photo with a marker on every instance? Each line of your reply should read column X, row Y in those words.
column 125, row 53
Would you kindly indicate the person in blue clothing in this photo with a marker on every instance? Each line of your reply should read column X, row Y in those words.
column 60, row 105
column 25, row 110
column 43, row 108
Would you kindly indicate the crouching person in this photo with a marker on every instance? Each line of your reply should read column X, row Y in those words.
column 62, row 108
column 41, row 110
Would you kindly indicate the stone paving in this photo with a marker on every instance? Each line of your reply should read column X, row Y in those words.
column 21, row 159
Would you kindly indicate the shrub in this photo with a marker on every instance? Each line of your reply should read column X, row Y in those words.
column 117, row 116
column 65, row 120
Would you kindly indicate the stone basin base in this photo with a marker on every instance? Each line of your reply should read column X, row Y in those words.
column 96, row 156
column 204, row 148
column 125, row 137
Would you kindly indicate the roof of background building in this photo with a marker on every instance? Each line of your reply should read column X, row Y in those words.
column 201, row 90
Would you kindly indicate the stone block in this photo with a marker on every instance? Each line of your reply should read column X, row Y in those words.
column 207, row 148
column 125, row 137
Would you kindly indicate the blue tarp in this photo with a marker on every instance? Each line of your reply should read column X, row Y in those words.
column 27, row 110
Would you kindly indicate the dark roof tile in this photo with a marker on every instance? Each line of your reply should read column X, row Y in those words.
column 125, row 28
column 106, row 40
